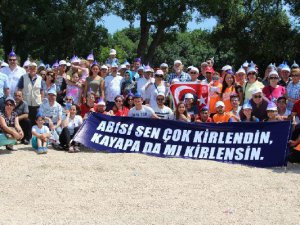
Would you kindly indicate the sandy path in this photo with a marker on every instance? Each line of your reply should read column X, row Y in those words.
column 99, row 188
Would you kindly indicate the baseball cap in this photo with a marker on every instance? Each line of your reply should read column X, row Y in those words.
column 62, row 62
column 209, row 69
column 32, row 64
column 52, row 91
column 177, row 62
column 220, row 103
column 137, row 95
column 164, row 65
column 273, row 72
column 112, row 52
column 188, row 95
column 256, row 91
column 195, row 69
column 247, row 105
column 227, row 67
column 251, row 70
column 159, row 72
column 161, row 94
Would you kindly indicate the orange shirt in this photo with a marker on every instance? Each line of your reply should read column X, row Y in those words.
column 221, row 118
column 214, row 96
column 226, row 97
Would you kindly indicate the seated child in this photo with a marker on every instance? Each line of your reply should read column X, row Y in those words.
column 40, row 135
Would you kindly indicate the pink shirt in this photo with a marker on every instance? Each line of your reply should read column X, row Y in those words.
column 273, row 93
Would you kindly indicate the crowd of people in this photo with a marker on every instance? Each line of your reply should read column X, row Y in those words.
column 47, row 104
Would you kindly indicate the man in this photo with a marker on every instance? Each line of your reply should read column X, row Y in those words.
column 112, row 84
column 13, row 71
column 144, row 80
column 139, row 110
column 22, row 110
column 235, row 105
column 31, row 86
column 194, row 73
column 221, row 116
column 178, row 73
column 61, row 79
column 203, row 67
column 4, row 89
column 154, row 88
column 165, row 68
column 52, row 111
column 285, row 76
column 162, row 111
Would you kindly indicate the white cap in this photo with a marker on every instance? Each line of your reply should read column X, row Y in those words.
column 220, row 103
column 204, row 64
column 188, row 95
column 164, row 65
column 161, row 94
column 62, row 62
column 104, row 67
column 26, row 63
column 123, row 66
column 32, row 64
column 286, row 68
column 177, row 62
column 247, row 106
column 195, row 69
column 257, row 90
column 227, row 67
column 273, row 72
column 68, row 64
column 159, row 72
column 241, row 70
column 112, row 52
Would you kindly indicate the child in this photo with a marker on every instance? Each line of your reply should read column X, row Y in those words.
column 40, row 135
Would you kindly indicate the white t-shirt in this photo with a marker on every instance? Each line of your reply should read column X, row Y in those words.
column 42, row 130
column 112, row 87
column 145, row 112
column 75, row 122
column 152, row 91
column 164, row 113
column 13, row 77
column 141, row 85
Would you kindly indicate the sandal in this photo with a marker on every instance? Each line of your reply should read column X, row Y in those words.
column 71, row 149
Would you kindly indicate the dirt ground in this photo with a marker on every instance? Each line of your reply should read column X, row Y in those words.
column 100, row 188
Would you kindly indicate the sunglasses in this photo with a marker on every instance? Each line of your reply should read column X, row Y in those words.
column 193, row 73
column 130, row 99
column 294, row 75
column 17, row 95
column 273, row 78
column 42, row 74
column 257, row 96
column 118, row 101
column 68, row 99
column 160, row 99
column 50, row 74
column 12, row 60
column 252, row 73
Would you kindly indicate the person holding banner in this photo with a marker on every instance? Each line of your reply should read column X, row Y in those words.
column 139, row 110
column 162, row 111
column 181, row 113
column 119, row 109
column 221, row 116
column 246, row 113
column 215, row 88
column 203, row 116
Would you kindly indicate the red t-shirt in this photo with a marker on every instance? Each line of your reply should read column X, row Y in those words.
column 122, row 112
column 296, row 108
column 84, row 108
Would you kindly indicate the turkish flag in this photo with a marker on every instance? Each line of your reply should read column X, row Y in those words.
column 200, row 92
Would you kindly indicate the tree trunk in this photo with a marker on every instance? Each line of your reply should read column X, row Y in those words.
column 144, row 35
column 157, row 40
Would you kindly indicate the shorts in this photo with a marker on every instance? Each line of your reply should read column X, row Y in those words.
column 34, row 142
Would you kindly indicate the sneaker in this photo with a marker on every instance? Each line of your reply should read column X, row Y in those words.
column 57, row 147
column 40, row 150
column 71, row 149
column 11, row 148
column 45, row 150
column 76, row 148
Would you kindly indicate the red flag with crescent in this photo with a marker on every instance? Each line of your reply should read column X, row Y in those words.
column 200, row 92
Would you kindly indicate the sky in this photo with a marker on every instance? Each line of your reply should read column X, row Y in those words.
column 114, row 23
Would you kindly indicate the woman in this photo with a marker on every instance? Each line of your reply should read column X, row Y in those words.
column 154, row 88
column 272, row 113
column 48, row 83
column 70, row 126
column 293, row 88
column 251, row 84
column 246, row 114
column 128, row 85
column 129, row 101
column 119, row 109
column 181, row 113
column 215, row 87
column 273, row 91
column 191, row 106
column 9, row 125
column 94, row 83
column 229, row 87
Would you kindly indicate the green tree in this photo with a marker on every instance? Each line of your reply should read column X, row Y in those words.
column 52, row 29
